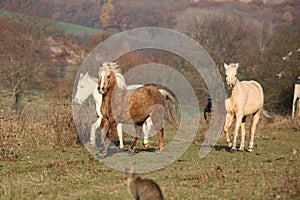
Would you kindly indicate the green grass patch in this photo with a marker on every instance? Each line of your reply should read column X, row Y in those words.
column 67, row 28
column 270, row 172
column 76, row 29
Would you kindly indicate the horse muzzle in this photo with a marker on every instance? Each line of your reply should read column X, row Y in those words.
column 78, row 101
column 101, row 90
column 231, row 86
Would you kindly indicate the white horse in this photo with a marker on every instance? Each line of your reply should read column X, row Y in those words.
column 244, row 98
column 87, row 85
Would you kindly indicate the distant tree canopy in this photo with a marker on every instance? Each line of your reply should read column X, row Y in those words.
column 260, row 44
column 26, row 59
column 21, row 55
column 108, row 15
column 263, row 38
column 124, row 15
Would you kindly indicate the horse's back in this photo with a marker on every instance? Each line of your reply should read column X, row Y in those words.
column 253, row 84
column 146, row 94
column 142, row 100
column 253, row 88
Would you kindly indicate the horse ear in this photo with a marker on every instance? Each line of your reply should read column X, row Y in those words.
column 81, row 75
column 104, row 64
column 237, row 65
column 226, row 66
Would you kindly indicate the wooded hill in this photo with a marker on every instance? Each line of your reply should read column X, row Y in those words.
column 126, row 14
column 259, row 36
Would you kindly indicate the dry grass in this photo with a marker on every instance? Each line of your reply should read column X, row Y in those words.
column 42, row 123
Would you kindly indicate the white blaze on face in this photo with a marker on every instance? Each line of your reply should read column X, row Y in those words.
column 102, row 81
column 231, row 75
column 231, row 78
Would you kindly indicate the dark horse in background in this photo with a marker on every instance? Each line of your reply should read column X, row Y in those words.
column 207, row 111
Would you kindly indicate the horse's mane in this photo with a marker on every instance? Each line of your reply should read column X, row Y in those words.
column 234, row 65
column 115, row 68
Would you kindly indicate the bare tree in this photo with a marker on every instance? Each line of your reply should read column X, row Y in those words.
column 22, row 56
column 220, row 32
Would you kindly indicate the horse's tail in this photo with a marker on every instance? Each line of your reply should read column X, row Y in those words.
column 267, row 115
column 171, row 110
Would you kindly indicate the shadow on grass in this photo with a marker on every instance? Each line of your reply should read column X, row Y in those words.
column 114, row 149
column 222, row 147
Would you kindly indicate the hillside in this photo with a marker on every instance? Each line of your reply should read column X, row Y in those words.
column 248, row 33
column 126, row 14
column 77, row 12
column 68, row 28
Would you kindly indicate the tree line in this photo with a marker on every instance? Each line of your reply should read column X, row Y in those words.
column 263, row 38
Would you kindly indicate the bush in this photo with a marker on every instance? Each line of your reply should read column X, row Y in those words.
column 42, row 123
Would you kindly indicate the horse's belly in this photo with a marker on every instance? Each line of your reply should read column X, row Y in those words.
column 253, row 104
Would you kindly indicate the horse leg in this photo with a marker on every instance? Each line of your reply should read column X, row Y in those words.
column 160, row 135
column 243, row 130
column 229, row 119
column 146, row 131
column 95, row 125
column 253, row 129
column 104, row 130
column 120, row 135
column 104, row 134
column 239, row 118
column 106, row 144
column 137, row 137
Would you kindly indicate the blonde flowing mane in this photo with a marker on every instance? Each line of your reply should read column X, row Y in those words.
column 115, row 68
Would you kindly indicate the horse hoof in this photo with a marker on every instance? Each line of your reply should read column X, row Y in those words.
column 250, row 150
column 101, row 155
column 232, row 150
column 241, row 150
column 132, row 152
column 159, row 150
column 229, row 144
column 119, row 149
column 146, row 145
column 92, row 147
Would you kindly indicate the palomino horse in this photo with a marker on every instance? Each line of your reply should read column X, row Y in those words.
column 87, row 85
column 133, row 107
column 245, row 98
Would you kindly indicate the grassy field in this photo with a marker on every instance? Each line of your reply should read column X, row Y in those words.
column 272, row 171
column 67, row 28
column 77, row 29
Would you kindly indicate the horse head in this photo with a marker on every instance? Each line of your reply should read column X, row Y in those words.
column 109, row 77
column 231, row 74
column 85, row 88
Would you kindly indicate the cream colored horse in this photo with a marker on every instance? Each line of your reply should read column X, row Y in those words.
column 244, row 98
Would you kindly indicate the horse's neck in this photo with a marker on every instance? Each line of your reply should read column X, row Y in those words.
column 121, row 84
column 108, row 96
column 117, row 99
column 97, row 97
